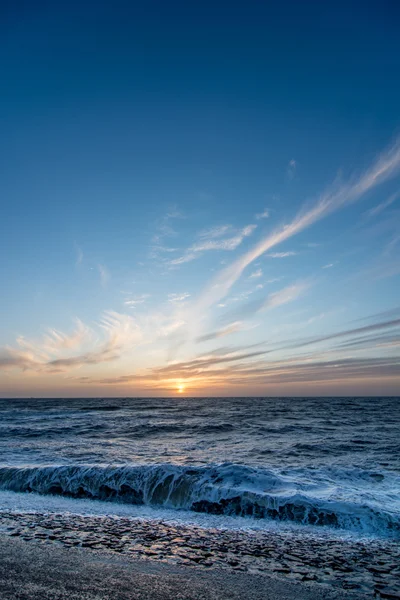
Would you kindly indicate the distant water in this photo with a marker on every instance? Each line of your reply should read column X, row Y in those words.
column 310, row 461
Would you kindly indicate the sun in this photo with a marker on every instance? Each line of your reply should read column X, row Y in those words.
column 180, row 388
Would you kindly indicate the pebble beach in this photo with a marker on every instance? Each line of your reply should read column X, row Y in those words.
column 370, row 568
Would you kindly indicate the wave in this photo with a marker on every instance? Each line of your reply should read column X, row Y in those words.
column 225, row 489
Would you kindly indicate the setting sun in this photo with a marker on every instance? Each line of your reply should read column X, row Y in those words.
column 180, row 388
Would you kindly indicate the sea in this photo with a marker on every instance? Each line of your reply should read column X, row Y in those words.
column 307, row 464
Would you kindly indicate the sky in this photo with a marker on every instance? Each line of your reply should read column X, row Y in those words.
column 199, row 198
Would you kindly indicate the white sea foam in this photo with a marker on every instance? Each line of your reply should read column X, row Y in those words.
column 14, row 502
column 350, row 500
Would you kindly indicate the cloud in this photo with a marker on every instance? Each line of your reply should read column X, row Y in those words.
column 392, row 312
column 212, row 239
column 328, row 266
column 382, row 270
column 165, row 230
column 256, row 274
column 178, row 298
column 230, row 243
column 232, row 369
column 287, row 294
column 291, row 168
column 366, row 329
column 337, row 196
column 53, row 342
column 281, row 254
column 232, row 328
column 140, row 299
column 121, row 330
column 183, row 259
column 252, row 366
column 79, row 255
column 56, row 340
column 391, row 245
column 274, row 300
column 373, row 212
column 386, row 340
column 215, row 232
column 58, row 351
column 104, row 275
column 263, row 215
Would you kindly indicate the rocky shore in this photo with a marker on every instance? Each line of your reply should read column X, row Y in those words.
column 370, row 567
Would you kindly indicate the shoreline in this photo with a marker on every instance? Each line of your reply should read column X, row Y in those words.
column 38, row 571
column 368, row 568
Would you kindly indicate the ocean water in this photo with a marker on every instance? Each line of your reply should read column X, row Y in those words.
column 322, row 463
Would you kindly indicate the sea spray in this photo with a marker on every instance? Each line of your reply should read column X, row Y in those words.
column 301, row 496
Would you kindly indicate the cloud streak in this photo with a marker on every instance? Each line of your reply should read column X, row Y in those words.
column 337, row 196
column 104, row 275
column 213, row 239
column 373, row 212
column 281, row 254
column 232, row 328
column 263, row 215
column 274, row 300
column 291, row 169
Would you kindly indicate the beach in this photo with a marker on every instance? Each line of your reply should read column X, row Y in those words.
column 43, row 571
column 212, row 562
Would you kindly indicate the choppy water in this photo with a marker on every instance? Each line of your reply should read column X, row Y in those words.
column 314, row 461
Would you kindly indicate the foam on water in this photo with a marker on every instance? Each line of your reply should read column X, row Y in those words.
column 351, row 500
column 17, row 503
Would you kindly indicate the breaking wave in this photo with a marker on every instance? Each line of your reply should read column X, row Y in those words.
column 352, row 499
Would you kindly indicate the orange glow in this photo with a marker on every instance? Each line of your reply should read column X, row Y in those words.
column 180, row 388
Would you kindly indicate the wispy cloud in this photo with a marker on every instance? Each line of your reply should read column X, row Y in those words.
column 392, row 312
column 136, row 300
column 328, row 266
column 291, row 168
column 281, row 254
column 263, row 215
column 215, row 232
column 79, row 254
column 232, row 369
column 230, row 243
column 104, row 275
column 213, row 239
column 188, row 257
column 390, row 247
column 337, row 196
column 287, row 294
column 373, row 212
column 367, row 329
column 231, row 328
column 178, row 298
column 55, row 341
column 273, row 300
column 256, row 274
column 252, row 366
column 165, row 230
column 58, row 352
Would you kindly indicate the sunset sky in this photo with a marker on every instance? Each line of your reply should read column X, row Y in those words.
column 200, row 199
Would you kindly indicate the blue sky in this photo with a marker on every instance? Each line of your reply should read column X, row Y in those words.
column 200, row 199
